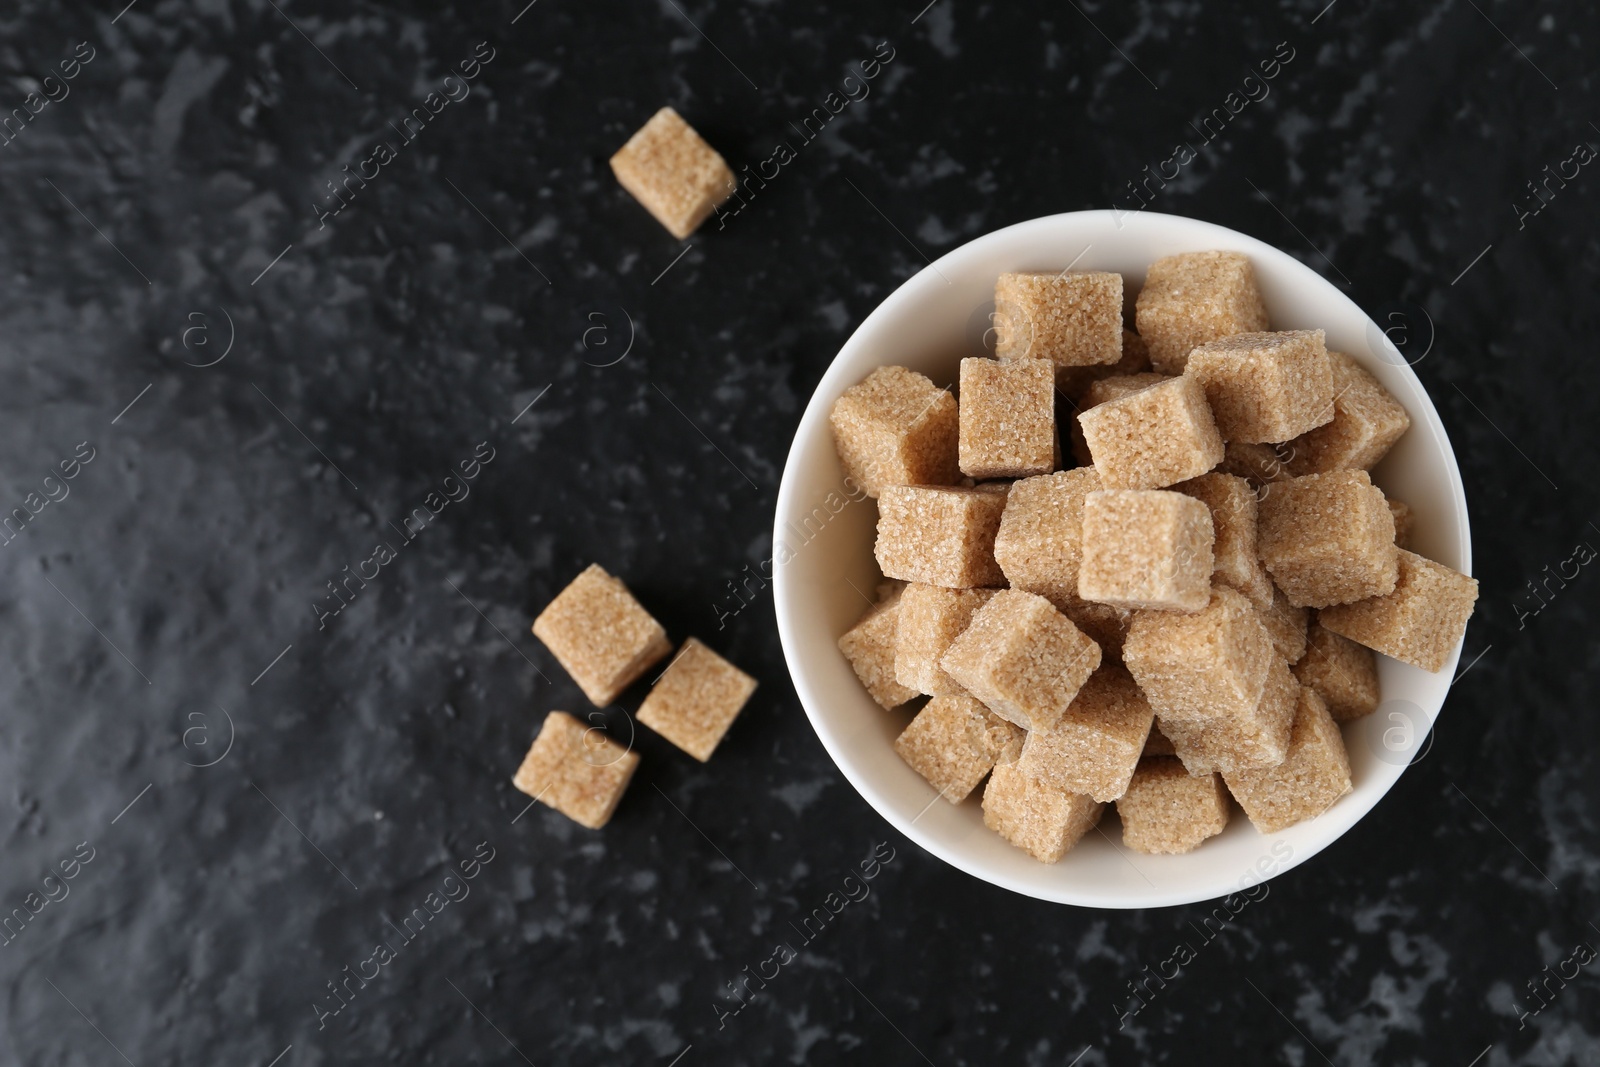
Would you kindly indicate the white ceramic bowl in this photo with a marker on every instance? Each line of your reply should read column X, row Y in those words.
column 824, row 563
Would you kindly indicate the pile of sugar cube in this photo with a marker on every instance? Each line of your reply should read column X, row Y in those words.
column 606, row 640
column 1137, row 628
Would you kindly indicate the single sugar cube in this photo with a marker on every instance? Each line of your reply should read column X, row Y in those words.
column 1403, row 522
column 1314, row 774
column 1286, row 625
column 895, row 427
column 1146, row 548
column 1367, row 421
column 1040, row 542
column 576, row 770
column 1253, row 739
column 1257, row 464
column 1008, row 418
column 1135, row 354
column 1328, row 539
column 1100, row 391
column 1106, row 625
column 940, row 535
column 1209, row 664
column 931, row 617
column 1155, row 437
column 869, row 645
column 1116, row 386
column 601, row 635
column 1420, row 622
column 1022, row 658
column 1343, row 673
column 1233, row 520
column 1071, row 320
column 1094, row 747
column 1265, row 387
column 1135, row 358
column 1193, row 298
column 671, row 170
column 696, row 699
column 1043, row 820
column 954, row 741
column 1168, row 811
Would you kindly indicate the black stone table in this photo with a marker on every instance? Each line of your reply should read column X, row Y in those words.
column 254, row 370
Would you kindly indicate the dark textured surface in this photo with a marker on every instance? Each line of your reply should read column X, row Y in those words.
column 139, row 611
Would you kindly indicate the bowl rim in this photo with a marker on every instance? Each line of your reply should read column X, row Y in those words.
column 814, row 420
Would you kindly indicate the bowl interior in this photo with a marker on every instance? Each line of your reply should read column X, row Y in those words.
column 825, row 572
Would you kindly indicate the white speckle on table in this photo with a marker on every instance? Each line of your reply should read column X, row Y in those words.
column 800, row 795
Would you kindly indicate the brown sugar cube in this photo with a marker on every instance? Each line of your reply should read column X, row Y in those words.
column 1314, row 774
column 954, row 741
column 869, row 645
column 1106, row 625
column 696, row 699
column 1257, row 464
column 1117, row 386
column 931, row 617
column 1152, row 438
column 1094, row 747
column 1420, row 622
column 940, row 535
column 1233, row 521
column 1072, row 381
column 1008, row 418
column 1265, row 387
column 669, row 169
column 601, row 635
column 1328, row 539
column 1343, row 673
column 1042, row 820
column 1146, row 548
column 1022, row 658
column 1286, row 625
column 1367, row 421
column 1097, row 392
column 1403, row 520
column 1246, row 741
column 1040, row 542
column 895, row 427
column 1158, row 743
column 1208, row 664
column 1072, row 320
column 576, row 770
column 1168, row 811
column 1193, row 298
column 1135, row 354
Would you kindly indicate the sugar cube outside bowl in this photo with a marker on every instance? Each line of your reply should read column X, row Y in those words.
column 825, row 573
